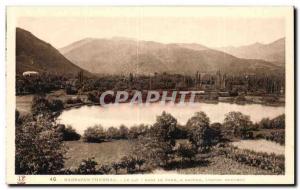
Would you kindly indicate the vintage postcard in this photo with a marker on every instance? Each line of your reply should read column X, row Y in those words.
column 150, row 95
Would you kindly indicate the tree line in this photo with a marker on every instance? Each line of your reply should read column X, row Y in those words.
column 269, row 84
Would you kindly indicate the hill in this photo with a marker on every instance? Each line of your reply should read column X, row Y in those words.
column 33, row 54
column 273, row 52
column 123, row 56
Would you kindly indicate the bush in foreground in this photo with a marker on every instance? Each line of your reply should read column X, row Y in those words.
column 87, row 167
column 272, row 162
column 39, row 148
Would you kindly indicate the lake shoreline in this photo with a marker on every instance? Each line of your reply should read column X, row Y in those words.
column 83, row 115
column 78, row 105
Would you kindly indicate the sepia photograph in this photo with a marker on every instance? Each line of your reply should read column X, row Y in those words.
column 150, row 95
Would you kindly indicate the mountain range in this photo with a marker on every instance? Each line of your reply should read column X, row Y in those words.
column 273, row 52
column 33, row 54
column 120, row 55
column 123, row 55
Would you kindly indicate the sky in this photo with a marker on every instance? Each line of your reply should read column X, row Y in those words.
column 208, row 31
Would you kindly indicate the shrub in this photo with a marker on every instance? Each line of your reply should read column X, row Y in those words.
column 71, row 90
column 39, row 148
column 140, row 162
column 123, row 131
column 113, row 133
column 215, row 133
column 278, row 122
column 116, row 166
column 136, row 131
column 260, row 136
column 40, row 105
column 87, row 167
column 104, row 169
column 93, row 97
column 278, row 137
column 129, row 163
column 20, row 118
column 56, row 105
column 186, row 151
column 94, row 134
column 265, row 123
column 181, row 132
column 272, row 162
column 68, row 133
column 73, row 101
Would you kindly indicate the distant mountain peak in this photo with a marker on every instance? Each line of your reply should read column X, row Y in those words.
column 121, row 38
column 274, row 51
column 257, row 44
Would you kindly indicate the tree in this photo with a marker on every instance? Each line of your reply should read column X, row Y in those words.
column 265, row 123
column 161, row 139
column 278, row 122
column 164, row 128
column 129, row 163
column 116, row 166
column 104, row 169
column 68, row 133
column 133, row 132
column 198, row 128
column 215, row 133
column 56, row 105
column 87, row 167
column 93, row 97
column 237, row 124
column 140, row 162
column 136, row 131
column 113, row 133
column 154, row 151
column 94, row 134
column 186, row 151
column 123, row 130
column 40, row 106
column 39, row 148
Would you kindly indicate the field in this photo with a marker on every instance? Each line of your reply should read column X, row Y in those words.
column 108, row 152
column 260, row 146
column 23, row 103
column 104, row 153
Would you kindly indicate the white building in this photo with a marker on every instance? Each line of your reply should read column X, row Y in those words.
column 30, row 73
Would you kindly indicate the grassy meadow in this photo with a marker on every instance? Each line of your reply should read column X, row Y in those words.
column 104, row 153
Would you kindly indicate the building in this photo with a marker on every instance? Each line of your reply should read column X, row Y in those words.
column 30, row 73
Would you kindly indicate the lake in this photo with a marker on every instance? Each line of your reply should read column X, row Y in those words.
column 130, row 115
